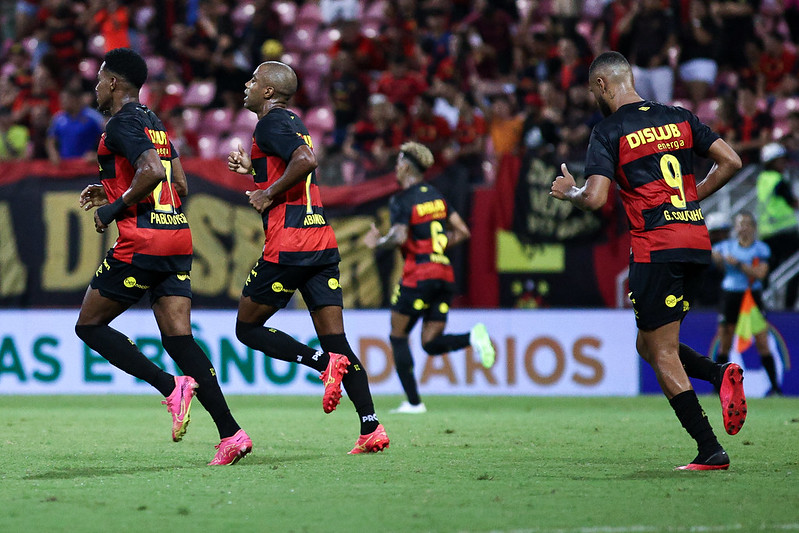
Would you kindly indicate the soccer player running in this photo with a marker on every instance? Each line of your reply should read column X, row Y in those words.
column 423, row 226
column 646, row 147
column 142, row 179
column 300, row 251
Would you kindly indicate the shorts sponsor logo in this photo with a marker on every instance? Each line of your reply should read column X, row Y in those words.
column 278, row 287
column 418, row 304
column 443, row 308
column 333, row 283
column 672, row 300
column 130, row 282
column 686, row 306
column 183, row 276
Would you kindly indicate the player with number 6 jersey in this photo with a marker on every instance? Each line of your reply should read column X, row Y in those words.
column 423, row 226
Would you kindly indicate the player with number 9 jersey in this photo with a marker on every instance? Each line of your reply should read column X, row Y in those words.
column 646, row 147
column 154, row 234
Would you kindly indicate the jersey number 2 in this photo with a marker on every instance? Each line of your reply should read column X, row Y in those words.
column 160, row 206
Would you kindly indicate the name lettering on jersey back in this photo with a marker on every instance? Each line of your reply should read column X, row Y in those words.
column 692, row 215
column 160, row 141
column 167, row 219
column 431, row 208
column 661, row 133
column 314, row 219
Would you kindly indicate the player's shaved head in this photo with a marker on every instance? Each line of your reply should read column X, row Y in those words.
column 613, row 67
column 280, row 76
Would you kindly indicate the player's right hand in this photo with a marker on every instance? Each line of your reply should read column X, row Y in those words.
column 238, row 161
column 92, row 196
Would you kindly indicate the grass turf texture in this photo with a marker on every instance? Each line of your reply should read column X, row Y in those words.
column 470, row 464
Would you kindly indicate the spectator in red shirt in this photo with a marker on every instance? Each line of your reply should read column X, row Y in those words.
column 349, row 88
column 469, row 135
column 776, row 65
column 368, row 56
column 373, row 142
column 400, row 84
column 429, row 129
column 751, row 126
column 112, row 19
column 41, row 95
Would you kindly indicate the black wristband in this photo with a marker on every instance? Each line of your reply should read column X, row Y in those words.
column 110, row 212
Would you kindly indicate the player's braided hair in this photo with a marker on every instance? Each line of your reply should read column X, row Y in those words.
column 420, row 154
column 128, row 64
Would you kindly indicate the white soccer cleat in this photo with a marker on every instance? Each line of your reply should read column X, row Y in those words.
column 480, row 341
column 409, row 409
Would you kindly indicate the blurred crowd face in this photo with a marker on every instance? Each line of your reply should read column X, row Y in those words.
column 745, row 228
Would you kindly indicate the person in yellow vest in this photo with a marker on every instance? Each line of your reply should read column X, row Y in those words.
column 776, row 206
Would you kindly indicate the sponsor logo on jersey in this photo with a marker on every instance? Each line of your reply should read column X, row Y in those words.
column 432, row 207
column 648, row 135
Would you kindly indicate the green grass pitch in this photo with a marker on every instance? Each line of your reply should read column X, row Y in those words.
column 477, row 464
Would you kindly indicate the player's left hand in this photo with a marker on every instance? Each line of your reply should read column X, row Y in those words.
column 371, row 237
column 259, row 200
column 92, row 196
column 562, row 184
column 99, row 227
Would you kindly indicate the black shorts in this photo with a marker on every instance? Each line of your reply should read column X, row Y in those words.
column 123, row 282
column 429, row 299
column 663, row 292
column 731, row 305
column 274, row 284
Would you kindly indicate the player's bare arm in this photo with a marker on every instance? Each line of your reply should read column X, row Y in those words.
column 92, row 196
column 458, row 231
column 395, row 237
column 726, row 164
column 589, row 197
column 149, row 173
column 179, row 178
column 302, row 163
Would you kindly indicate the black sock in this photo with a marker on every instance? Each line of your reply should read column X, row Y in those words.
column 403, row 361
column 694, row 420
column 193, row 362
column 698, row 366
column 355, row 381
column 446, row 343
column 723, row 358
column 122, row 352
column 767, row 361
column 279, row 345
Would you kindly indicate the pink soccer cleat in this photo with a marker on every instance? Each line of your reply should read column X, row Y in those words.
column 716, row 461
column 231, row 449
column 331, row 377
column 733, row 400
column 179, row 405
column 376, row 441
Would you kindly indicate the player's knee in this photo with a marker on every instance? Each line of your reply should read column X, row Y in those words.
column 435, row 346
column 244, row 331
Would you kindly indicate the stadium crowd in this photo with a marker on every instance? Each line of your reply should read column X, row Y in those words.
column 475, row 81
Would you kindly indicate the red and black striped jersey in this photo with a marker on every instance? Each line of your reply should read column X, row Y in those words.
column 424, row 210
column 153, row 234
column 295, row 228
column 648, row 149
